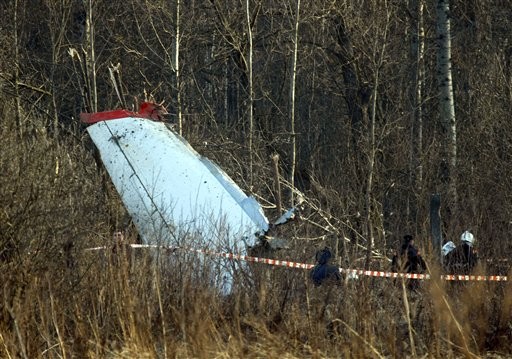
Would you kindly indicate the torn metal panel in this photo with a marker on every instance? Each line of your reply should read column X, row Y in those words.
column 176, row 197
column 170, row 190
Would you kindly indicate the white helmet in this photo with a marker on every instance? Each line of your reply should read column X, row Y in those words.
column 467, row 237
column 447, row 248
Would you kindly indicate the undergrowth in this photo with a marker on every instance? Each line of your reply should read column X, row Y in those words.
column 60, row 300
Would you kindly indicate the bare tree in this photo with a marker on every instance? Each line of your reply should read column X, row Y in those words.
column 378, row 58
column 177, row 65
column 90, row 57
column 446, row 97
column 356, row 95
column 416, row 100
column 17, row 70
column 250, row 90
column 292, row 101
column 58, row 16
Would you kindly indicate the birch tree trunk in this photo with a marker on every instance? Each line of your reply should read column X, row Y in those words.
column 91, row 59
column 372, row 147
column 292, row 103
column 420, row 79
column 446, row 99
column 418, row 76
column 250, row 90
column 177, row 66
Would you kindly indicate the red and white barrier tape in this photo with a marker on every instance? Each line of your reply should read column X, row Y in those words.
column 352, row 272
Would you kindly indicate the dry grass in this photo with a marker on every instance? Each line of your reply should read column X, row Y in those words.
column 57, row 301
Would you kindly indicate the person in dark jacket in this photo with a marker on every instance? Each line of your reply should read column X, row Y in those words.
column 410, row 256
column 408, row 260
column 323, row 271
column 460, row 259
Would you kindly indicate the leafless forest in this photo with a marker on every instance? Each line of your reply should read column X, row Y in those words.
column 363, row 108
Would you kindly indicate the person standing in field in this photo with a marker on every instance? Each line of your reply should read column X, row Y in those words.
column 323, row 271
column 460, row 259
column 409, row 260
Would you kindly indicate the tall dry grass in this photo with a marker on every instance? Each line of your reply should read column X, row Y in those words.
column 59, row 301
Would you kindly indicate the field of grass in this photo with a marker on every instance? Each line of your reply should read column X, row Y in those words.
column 58, row 300
column 141, row 306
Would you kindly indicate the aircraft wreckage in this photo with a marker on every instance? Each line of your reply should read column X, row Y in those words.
column 175, row 196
